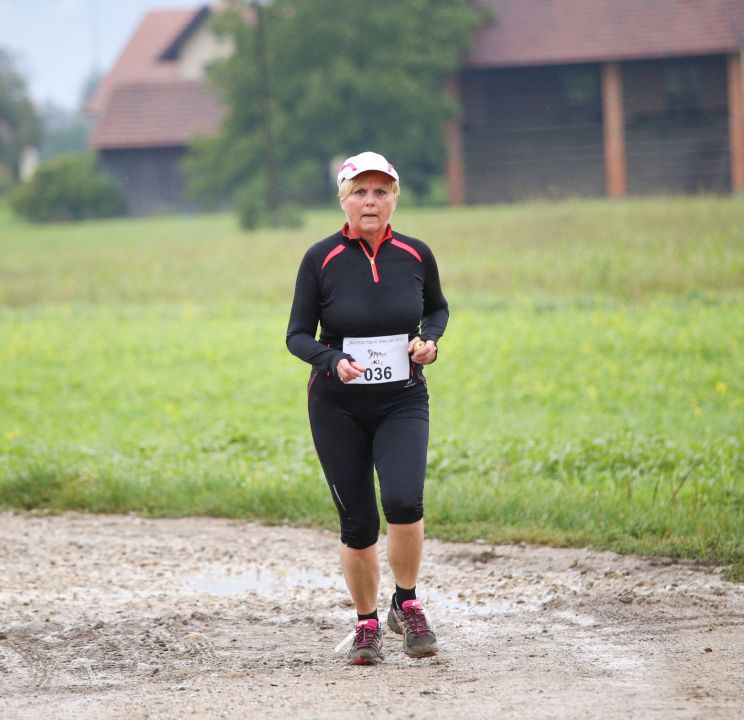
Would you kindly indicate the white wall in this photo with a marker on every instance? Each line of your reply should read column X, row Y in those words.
column 201, row 50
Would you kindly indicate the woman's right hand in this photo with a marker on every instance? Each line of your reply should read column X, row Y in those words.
column 348, row 370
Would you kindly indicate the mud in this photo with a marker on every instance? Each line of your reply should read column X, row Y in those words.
column 122, row 617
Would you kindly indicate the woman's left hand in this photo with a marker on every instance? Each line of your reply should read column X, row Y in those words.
column 425, row 355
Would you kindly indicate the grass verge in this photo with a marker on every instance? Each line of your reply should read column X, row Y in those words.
column 589, row 389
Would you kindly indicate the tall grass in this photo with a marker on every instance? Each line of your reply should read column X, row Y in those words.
column 589, row 387
column 632, row 251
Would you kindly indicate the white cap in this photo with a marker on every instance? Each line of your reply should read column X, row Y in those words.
column 365, row 162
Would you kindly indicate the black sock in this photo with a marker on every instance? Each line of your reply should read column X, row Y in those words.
column 369, row 616
column 401, row 594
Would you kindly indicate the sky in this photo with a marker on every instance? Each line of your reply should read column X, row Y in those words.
column 56, row 44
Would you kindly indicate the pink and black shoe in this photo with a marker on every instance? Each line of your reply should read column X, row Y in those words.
column 367, row 646
column 410, row 621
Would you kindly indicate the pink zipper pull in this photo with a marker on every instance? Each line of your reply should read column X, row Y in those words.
column 372, row 263
column 374, row 270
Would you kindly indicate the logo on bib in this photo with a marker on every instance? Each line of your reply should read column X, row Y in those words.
column 376, row 357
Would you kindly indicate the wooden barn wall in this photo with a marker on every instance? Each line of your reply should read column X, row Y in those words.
column 532, row 133
column 149, row 178
column 536, row 132
column 676, row 126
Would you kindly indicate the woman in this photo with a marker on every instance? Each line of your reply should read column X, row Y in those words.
column 377, row 297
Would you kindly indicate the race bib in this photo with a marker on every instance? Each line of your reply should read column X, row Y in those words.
column 385, row 357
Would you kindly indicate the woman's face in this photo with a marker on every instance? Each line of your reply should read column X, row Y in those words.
column 370, row 204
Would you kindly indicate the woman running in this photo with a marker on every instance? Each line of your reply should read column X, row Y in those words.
column 377, row 298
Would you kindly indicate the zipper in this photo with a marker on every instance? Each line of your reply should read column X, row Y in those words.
column 371, row 259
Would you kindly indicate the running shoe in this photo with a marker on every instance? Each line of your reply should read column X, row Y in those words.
column 367, row 646
column 410, row 621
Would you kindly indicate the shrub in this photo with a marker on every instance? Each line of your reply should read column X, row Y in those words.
column 253, row 213
column 287, row 216
column 69, row 187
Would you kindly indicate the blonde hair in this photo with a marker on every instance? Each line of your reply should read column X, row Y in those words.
column 347, row 186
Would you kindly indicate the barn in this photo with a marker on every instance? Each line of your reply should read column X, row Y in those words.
column 558, row 98
column 153, row 104
column 600, row 97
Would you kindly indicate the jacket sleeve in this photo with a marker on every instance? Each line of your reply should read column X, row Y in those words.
column 304, row 318
column 436, row 310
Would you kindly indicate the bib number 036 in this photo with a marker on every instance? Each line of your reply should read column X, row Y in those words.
column 378, row 374
column 385, row 358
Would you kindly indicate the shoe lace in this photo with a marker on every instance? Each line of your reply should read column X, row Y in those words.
column 417, row 620
column 364, row 637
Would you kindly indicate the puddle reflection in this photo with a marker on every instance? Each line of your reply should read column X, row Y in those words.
column 260, row 581
column 273, row 583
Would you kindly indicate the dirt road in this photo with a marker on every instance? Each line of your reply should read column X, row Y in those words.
column 120, row 617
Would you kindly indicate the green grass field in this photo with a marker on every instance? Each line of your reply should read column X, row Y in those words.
column 590, row 387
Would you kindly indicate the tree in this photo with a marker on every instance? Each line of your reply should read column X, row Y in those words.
column 19, row 126
column 343, row 77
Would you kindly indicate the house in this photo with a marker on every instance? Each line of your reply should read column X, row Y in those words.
column 600, row 97
column 558, row 98
column 154, row 103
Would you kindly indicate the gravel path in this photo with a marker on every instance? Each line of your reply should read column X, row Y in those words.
column 121, row 617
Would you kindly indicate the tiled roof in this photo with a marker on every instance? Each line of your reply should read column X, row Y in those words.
column 157, row 114
column 541, row 32
column 139, row 61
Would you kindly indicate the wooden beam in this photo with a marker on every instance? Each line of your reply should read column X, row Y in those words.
column 736, row 119
column 454, row 148
column 614, row 130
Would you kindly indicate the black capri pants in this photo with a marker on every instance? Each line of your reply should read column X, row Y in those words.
column 357, row 428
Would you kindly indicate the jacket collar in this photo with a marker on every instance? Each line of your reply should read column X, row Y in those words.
column 345, row 233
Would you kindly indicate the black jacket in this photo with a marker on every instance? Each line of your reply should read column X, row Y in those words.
column 353, row 293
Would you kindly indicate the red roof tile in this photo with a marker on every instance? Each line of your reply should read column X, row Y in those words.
column 542, row 32
column 139, row 61
column 157, row 114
